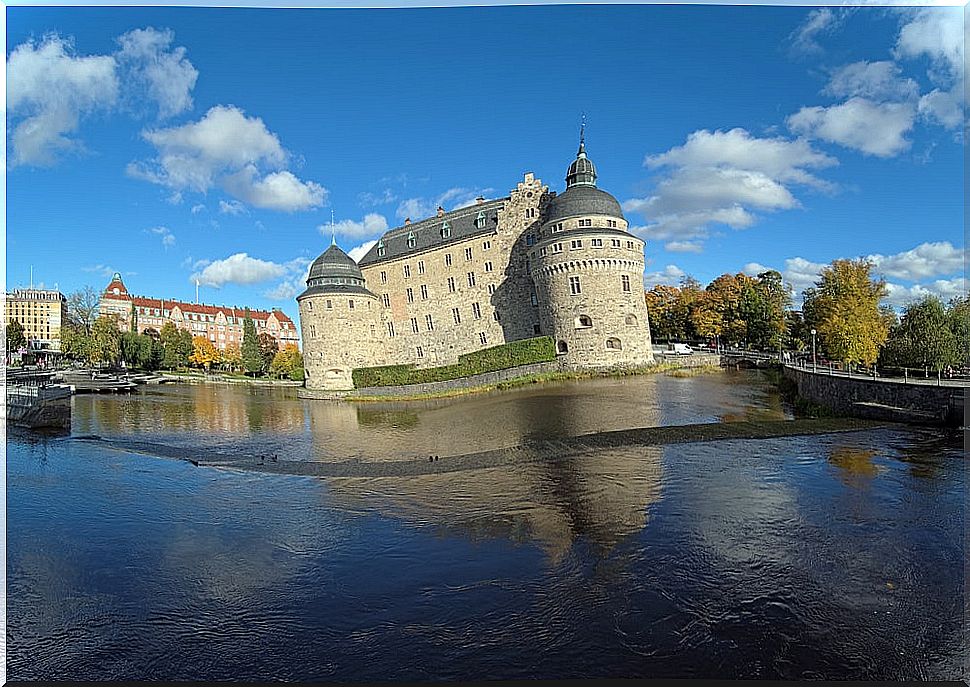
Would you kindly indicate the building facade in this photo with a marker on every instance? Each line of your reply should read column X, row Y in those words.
column 41, row 312
column 222, row 325
column 531, row 264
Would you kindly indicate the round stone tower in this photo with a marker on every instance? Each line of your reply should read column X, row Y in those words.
column 338, row 320
column 588, row 272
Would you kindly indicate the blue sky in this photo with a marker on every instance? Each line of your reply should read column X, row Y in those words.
column 174, row 144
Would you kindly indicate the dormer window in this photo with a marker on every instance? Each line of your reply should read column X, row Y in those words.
column 480, row 220
column 411, row 239
column 445, row 230
column 380, row 247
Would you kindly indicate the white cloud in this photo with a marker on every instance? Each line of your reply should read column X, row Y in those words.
column 284, row 291
column 873, row 128
column 940, row 258
column 49, row 88
column 452, row 199
column 275, row 191
column 196, row 209
column 753, row 269
column 721, row 177
column 357, row 252
column 168, row 238
column 232, row 207
column 820, row 21
column 873, row 80
column 371, row 225
column 937, row 33
column 238, row 269
column 105, row 271
column 684, row 247
column 669, row 275
column 384, row 197
column 899, row 296
column 165, row 73
column 943, row 107
column 801, row 274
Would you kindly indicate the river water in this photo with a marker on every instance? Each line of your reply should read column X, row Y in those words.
column 833, row 556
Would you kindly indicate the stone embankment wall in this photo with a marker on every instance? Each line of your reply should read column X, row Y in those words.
column 881, row 399
column 694, row 360
column 483, row 379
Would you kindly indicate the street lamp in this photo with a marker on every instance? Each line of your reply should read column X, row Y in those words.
column 813, row 350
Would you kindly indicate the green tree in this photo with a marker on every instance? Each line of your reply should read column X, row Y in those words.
column 958, row 317
column 75, row 342
column 15, row 336
column 176, row 350
column 252, row 359
column 105, row 342
column 923, row 337
column 131, row 349
column 844, row 308
column 268, row 348
column 288, row 363
column 762, row 307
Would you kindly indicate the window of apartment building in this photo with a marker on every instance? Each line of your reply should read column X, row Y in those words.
column 585, row 222
column 471, row 279
column 424, row 292
column 386, row 298
column 576, row 243
column 407, row 271
column 410, row 294
column 491, row 289
column 468, row 254
column 456, row 315
column 447, row 259
column 597, row 243
column 414, row 325
column 383, row 277
column 488, row 266
column 420, row 352
column 420, row 266
column 574, row 287
column 486, row 245
column 482, row 338
column 451, row 284
column 626, row 283
column 477, row 311
column 615, row 242
column 390, row 329
column 429, row 322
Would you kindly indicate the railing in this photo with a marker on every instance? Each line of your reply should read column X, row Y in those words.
column 921, row 376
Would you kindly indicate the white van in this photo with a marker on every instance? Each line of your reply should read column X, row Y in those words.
column 681, row 349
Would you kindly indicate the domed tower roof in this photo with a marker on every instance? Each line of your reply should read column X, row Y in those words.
column 581, row 196
column 334, row 272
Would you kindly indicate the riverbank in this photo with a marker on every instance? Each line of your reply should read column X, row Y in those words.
column 195, row 378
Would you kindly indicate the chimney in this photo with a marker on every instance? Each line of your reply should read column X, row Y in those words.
column 480, row 200
column 407, row 221
column 441, row 211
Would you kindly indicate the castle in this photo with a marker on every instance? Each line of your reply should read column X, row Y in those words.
column 535, row 263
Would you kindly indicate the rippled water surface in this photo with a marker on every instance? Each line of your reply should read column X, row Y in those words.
column 836, row 556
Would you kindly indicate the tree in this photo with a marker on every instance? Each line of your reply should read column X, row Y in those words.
column 725, row 294
column 844, row 308
column 268, row 348
column 762, row 307
column 82, row 308
column 252, row 360
column 105, row 346
column 958, row 317
column 288, row 363
column 75, row 342
column 204, row 353
column 15, row 336
column 923, row 337
column 230, row 358
column 177, row 346
column 131, row 348
column 662, row 309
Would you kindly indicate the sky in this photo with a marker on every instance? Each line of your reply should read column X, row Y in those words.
column 184, row 144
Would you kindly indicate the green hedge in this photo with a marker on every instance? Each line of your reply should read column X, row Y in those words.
column 513, row 354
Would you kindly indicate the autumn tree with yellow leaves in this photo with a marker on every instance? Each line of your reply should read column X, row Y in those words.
column 204, row 352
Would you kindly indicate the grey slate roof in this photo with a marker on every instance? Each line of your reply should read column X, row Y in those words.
column 333, row 262
column 582, row 200
column 427, row 232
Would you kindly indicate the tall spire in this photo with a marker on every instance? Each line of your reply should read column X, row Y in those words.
column 333, row 231
column 581, row 172
column 582, row 137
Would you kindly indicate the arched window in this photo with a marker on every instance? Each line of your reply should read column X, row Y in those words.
column 445, row 230
column 380, row 247
column 613, row 344
column 584, row 322
column 631, row 320
column 411, row 240
column 561, row 347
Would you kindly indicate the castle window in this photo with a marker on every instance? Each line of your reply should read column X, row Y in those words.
column 626, row 283
column 530, row 239
column 414, row 325
column 329, row 304
column 480, row 220
column 482, row 338
column 597, row 243
column 411, row 240
column 615, row 242
column 477, row 311
column 631, row 320
column 543, row 251
column 630, row 245
column 557, row 227
column 456, row 315
column 451, row 284
column 486, row 245
column 536, row 329
column 429, row 322
column 530, row 212
column 309, row 306
column 380, row 248
column 613, row 344
column 390, row 329
column 468, row 254
column 576, row 243
column 373, row 330
column 585, row 222
column 420, row 352
column 557, row 248
column 383, row 277
column 410, row 294
column 611, row 223
column 574, row 287
column 561, row 347
column 445, row 230
column 491, row 289
column 495, row 315
column 584, row 322
column 424, row 292
column 407, row 271
column 471, row 279
column 535, row 300
column 420, row 266
column 350, row 304
column 488, row 267
column 447, row 259
column 386, row 299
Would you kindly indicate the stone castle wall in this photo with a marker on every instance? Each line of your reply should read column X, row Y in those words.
column 338, row 337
